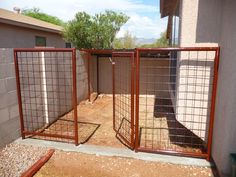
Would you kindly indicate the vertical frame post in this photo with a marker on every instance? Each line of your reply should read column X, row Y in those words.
column 74, row 98
column 88, row 69
column 19, row 94
column 113, row 93
column 98, row 75
column 213, row 100
column 132, row 99
column 137, row 101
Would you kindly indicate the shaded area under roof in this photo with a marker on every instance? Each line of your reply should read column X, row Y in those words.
column 169, row 8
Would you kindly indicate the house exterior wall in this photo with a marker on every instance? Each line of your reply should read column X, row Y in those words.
column 9, row 114
column 212, row 23
column 192, row 102
column 19, row 37
column 224, row 137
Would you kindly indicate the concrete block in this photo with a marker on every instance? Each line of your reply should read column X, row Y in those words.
column 9, row 56
column 12, row 98
column 3, row 71
column 4, row 115
column 3, row 100
column 2, row 57
column 11, row 84
column 9, row 131
column 5, row 54
column 10, row 72
column 14, row 111
column 2, row 86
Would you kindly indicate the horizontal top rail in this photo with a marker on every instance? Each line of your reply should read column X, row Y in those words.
column 113, row 51
column 122, row 54
column 179, row 49
column 43, row 49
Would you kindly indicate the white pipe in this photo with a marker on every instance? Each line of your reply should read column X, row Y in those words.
column 44, row 87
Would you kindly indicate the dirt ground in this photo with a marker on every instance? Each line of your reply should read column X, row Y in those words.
column 70, row 164
column 95, row 126
column 99, row 113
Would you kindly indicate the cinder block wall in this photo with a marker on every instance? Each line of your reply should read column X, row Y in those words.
column 9, row 114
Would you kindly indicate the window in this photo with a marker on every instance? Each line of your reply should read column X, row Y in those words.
column 68, row 45
column 40, row 41
column 175, row 32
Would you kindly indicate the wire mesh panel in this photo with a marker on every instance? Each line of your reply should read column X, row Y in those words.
column 174, row 111
column 46, row 90
column 123, row 96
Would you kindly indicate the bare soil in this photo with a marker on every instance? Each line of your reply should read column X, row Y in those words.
column 99, row 113
column 72, row 164
column 95, row 126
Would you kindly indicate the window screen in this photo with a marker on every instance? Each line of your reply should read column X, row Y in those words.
column 40, row 41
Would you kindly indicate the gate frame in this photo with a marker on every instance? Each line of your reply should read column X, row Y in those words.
column 74, row 91
column 206, row 155
column 131, row 56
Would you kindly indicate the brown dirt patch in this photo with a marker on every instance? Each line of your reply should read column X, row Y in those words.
column 83, row 165
column 95, row 124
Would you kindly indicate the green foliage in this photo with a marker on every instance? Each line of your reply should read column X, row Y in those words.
column 97, row 31
column 127, row 42
column 36, row 13
column 161, row 42
column 78, row 30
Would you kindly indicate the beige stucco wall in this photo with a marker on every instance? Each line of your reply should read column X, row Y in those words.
column 193, row 94
column 209, row 23
column 193, row 91
column 224, row 139
column 194, row 25
column 19, row 37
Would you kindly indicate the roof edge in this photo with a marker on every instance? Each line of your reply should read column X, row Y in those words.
column 30, row 26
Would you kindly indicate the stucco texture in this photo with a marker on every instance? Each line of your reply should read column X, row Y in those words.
column 19, row 37
column 212, row 23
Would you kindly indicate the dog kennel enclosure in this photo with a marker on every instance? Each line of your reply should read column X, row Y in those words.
column 163, row 98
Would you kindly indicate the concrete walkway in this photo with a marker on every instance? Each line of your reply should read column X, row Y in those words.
column 119, row 152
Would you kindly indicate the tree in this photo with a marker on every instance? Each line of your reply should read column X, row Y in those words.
column 78, row 31
column 127, row 42
column 160, row 42
column 36, row 13
column 96, row 31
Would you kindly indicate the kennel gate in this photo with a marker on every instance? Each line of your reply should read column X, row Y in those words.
column 164, row 99
column 173, row 101
column 123, row 96
column 46, row 88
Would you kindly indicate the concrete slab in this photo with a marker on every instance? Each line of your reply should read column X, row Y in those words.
column 118, row 152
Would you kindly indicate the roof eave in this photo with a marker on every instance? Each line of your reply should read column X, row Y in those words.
column 169, row 8
column 30, row 26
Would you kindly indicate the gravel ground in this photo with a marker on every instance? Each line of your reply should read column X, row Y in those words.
column 16, row 158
